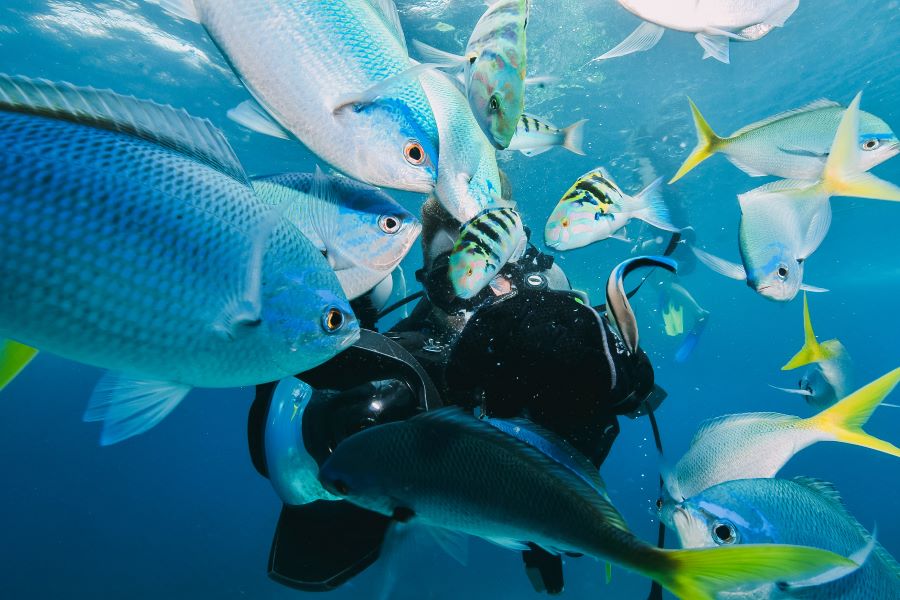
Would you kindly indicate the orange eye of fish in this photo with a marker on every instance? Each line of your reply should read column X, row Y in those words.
column 414, row 153
column 565, row 222
column 469, row 272
column 332, row 320
column 389, row 224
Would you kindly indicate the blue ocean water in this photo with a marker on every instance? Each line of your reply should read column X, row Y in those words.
column 179, row 512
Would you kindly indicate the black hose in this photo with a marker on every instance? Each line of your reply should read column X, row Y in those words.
column 398, row 304
column 670, row 249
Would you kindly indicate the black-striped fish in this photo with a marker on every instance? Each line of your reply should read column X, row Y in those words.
column 493, row 238
column 535, row 135
column 595, row 209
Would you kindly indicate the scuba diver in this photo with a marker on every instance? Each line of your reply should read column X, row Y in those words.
column 527, row 345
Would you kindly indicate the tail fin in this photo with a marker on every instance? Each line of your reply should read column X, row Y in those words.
column 812, row 351
column 13, row 358
column 707, row 144
column 699, row 574
column 843, row 422
column 650, row 207
column 842, row 176
column 574, row 136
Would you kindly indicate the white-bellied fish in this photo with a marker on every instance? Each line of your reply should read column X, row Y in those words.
column 595, row 208
column 830, row 375
column 509, row 482
column 535, row 136
column 749, row 445
column 485, row 244
column 793, row 145
column 134, row 242
column 336, row 75
column 713, row 22
column 363, row 232
column 801, row 511
column 493, row 68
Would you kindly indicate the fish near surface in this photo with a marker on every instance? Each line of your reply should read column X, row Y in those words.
column 494, row 68
column 449, row 470
column 751, row 445
column 335, row 75
column 134, row 242
column 800, row 511
column 364, row 232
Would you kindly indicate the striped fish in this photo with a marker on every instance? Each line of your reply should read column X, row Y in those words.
column 493, row 68
column 493, row 238
column 595, row 209
column 534, row 136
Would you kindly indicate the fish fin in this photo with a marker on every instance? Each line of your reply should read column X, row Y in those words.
column 621, row 237
column 743, row 166
column 508, row 543
column 813, row 289
column 541, row 80
column 184, row 9
column 708, row 143
column 652, row 209
column 382, row 291
column 160, row 124
column 797, row 151
column 699, row 574
column 643, row 38
column 129, row 406
column 812, row 351
column 792, row 390
column 381, row 88
column 447, row 61
column 13, row 358
column 841, row 176
column 255, row 118
column 714, row 46
column 454, row 543
column 740, row 419
column 401, row 276
column 720, row 265
column 573, row 136
column 889, row 405
column 782, row 14
column 843, row 421
column 391, row 17
column 859, row 558
column 812, row 106
column 529, row 152
column 816, row 230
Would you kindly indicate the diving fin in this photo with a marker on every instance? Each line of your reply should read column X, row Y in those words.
column 13, row 358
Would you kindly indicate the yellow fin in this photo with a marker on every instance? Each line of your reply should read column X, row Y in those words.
column 13, row 358
column 844, row 421
column 699, row 574
column 707, row 144
column 812, row 351
column 673, row 318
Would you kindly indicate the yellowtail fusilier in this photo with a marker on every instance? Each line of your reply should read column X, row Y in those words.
column 493, row 68
column 508, row 481
column 828, row 379
column 363, row 232
column 794, row 144
column 713, row 22
column 336, row 75
column 535, row 136
column 749, row 445
column 485, row 245
column 801, row 511
column 134, row 242
column 595, row 209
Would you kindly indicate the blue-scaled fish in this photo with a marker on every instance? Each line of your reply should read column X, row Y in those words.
column 595, row 208
column 493, row 68
column 485, row 244
column 336, row 75
column 133, row 241
column 516, row 483
column 535, row 135
column 801, row 511
column 363, row 232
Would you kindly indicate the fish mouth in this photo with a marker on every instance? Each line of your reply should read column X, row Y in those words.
column 553, row 245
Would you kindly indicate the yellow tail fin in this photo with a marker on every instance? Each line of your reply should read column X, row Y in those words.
column 707, row 144
column 812, row 351
column 701, row 574
column 13, row 358
column 842, row 176
column 844, row 421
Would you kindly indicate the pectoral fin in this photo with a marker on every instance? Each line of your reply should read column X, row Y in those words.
column 255, row 118
column 720, row 265
column 643, row 38
column 714, row 46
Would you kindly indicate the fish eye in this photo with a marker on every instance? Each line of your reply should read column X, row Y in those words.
column 414, row 153
column 724, row 533
column 332, row 320
column 494, row 103
column 782, row 272
column 389, row 224
column 469, row 272
column 871, row 144
column 564, row 222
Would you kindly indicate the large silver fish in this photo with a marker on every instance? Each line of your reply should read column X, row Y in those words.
column 336, row 75
column 133, row 241
column 800, row 511
column 363, row 232
column 509, row 482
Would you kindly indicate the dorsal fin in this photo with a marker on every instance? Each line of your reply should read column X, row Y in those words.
column 715, row 423
column 104, row 109
column 814, row 105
